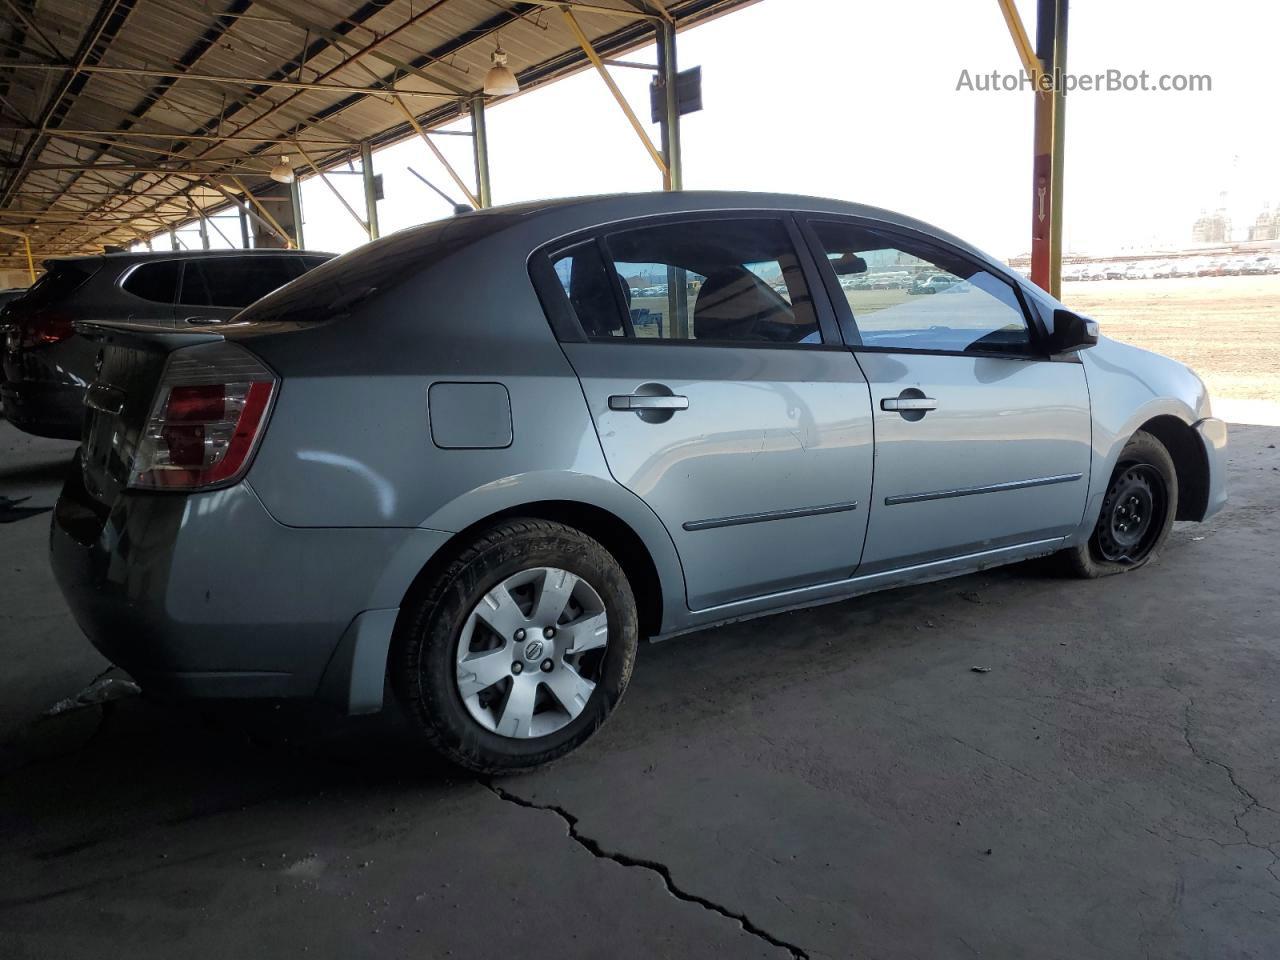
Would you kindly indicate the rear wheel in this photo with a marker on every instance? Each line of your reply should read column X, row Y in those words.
column 1137, row 512
column 519, row 649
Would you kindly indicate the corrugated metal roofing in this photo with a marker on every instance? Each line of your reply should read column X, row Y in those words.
column 111, row 126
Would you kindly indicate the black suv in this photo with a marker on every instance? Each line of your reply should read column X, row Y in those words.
column 47, row 366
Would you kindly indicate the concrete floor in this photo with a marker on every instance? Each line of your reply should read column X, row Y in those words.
column 832, row 783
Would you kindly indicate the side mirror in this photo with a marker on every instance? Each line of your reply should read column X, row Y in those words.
column 1072, row 332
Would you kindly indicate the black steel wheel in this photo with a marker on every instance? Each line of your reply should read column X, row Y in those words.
column 1137, row 512
column 1133, row 514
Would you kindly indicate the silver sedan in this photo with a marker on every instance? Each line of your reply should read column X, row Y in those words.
column 482, row 458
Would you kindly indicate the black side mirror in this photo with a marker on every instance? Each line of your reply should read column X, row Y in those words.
column 1072, row 332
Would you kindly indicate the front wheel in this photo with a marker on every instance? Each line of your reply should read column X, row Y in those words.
column 519, row 649
column 1137, row 512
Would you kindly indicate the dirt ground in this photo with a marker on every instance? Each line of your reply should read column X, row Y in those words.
column 1227, row 329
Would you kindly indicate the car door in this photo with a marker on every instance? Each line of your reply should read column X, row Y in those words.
column 217, row 288
column 982, row 440
column 721, row 396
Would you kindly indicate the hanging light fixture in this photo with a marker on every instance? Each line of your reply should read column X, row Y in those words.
column 500, row 81
column 282, row 172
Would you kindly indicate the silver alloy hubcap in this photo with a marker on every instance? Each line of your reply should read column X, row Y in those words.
column 526, row 649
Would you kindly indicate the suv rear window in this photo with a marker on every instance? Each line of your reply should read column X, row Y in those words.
column 235, row 281
column 328, row 292
column 60, row 279
column 157, row 282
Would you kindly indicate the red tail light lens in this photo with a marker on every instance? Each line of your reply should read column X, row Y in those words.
column 44, row 328
column 207, row 417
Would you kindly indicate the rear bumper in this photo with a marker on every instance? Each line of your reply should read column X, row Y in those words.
column 44, row 409
column 1213, row 436
column 207, row 596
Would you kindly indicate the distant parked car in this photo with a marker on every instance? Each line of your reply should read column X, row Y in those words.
column 1258, row 265
column 47, row 365
column 1183, row 268
column 447, row 461
column 934, row 284
column 1136, row 271
column 1115, row 271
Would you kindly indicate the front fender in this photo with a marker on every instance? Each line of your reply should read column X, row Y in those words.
column 1128, row 387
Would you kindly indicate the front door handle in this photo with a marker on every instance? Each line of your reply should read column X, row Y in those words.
column 908, row 403
column 638, row 401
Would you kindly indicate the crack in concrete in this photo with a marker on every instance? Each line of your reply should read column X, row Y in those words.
column 1251, row 801
column 664, row 873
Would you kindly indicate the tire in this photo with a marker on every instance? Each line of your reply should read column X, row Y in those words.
column 474, row 705
column 1136, row 516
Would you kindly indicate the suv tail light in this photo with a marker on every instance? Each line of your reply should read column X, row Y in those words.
column 38, row 329
column 209, row 412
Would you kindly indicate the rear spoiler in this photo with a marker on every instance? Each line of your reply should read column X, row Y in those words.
column 142, row 337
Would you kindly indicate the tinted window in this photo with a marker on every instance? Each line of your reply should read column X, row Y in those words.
column 61, row 278
column 336, row 287
column 906, row 293
column 235, row 281
column 591, row 292
column 157, row 282
column 720, row 281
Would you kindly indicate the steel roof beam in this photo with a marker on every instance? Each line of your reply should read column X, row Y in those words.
column 110, row 17
column 175, row 76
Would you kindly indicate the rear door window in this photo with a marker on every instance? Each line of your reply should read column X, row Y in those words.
column 156, row 282
column 235, row 281
column 734, row 281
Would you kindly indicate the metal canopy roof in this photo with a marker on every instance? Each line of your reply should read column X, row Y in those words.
column 121, row 118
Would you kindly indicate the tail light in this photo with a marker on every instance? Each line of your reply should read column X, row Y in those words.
column 42, row 328
column 209, row 411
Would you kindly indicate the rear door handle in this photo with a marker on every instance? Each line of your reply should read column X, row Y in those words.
column 908, row 403
column 637, row 401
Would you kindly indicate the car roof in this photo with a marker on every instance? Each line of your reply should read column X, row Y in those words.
column 129, row 257
column 562, row 216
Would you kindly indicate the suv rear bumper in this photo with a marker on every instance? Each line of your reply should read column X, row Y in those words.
column 206, row 595
column 44, row 409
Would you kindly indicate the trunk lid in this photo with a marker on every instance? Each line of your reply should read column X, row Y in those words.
column 129, row 365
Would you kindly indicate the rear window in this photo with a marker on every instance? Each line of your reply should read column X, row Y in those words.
column 235, row 281
column 331, row 290
column 60, row 279
column 157, row 282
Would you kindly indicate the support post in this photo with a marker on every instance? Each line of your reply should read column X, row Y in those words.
column 370, row 190
column 480, row 146
column 295, row 200
column 26, row 242
column 263, row 216
column 204, row 230
column 448, row 167
column 1047, row 166
column 672, row 178
column 244, row 227
column 576, row 29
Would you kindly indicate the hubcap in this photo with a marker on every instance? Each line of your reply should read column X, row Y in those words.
column 1133, row 514
column 531, row 651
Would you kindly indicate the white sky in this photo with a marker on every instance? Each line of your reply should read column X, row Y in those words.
column 857, row 99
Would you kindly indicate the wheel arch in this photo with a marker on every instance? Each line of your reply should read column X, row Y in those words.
column 613, row 533
column 1190, row 462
